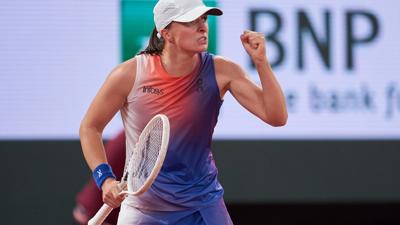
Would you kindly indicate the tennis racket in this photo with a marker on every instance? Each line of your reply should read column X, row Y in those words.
column 144, row 163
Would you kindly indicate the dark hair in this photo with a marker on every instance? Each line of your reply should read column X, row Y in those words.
column 155, row 46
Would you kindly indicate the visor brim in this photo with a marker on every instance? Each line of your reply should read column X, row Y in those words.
column 197, row 12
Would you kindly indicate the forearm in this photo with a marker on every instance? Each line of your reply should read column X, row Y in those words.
column 93, row 150
column 92, row 146
column 272, row 95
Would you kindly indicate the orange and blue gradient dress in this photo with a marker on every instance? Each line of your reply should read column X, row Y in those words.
column 188, row 178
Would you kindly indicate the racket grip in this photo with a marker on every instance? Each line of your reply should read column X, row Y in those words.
column 101, row 215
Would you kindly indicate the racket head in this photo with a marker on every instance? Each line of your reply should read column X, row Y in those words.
column 148, row 155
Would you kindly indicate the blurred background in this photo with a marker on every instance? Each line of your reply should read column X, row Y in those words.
column 337, row 161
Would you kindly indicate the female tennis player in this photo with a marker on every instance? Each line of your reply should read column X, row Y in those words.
column 176, row 76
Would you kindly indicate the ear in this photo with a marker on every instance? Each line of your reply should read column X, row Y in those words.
column 167, row 35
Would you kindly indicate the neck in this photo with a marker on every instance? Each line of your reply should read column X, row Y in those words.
column 178, row 63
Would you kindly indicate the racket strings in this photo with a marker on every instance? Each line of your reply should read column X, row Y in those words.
column 145, row 156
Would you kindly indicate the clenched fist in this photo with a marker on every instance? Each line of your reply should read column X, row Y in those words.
column 254, row 44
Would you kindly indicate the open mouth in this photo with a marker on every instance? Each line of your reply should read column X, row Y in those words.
column 202, row 39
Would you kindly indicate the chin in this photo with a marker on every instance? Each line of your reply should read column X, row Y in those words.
column 199, row 49
column 203, row 48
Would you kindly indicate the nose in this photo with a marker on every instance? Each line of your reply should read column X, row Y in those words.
column 203, row 26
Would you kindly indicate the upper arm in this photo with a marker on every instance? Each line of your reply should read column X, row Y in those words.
column 239, row 84
column 111, row 96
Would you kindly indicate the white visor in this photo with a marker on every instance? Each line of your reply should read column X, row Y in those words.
column 167, row 11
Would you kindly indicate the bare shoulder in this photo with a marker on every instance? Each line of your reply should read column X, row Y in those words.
column 222, row 62
column 122, row 77
column 225, row 66
column 126, row 70
column 226, row 71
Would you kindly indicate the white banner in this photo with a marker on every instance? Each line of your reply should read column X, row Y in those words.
column 54, row 57
column 337, row 61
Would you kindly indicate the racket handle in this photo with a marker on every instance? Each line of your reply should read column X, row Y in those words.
column 101, row 215
column 104, row 211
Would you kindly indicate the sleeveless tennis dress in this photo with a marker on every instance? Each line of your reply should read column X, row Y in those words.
column 186, row 190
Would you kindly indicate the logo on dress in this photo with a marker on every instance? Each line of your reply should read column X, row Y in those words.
column 152, row 90
column 199, row 85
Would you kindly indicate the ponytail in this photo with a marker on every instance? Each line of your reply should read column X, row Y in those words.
column 155, row 46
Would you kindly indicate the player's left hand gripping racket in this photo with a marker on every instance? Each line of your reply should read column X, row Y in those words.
column 144, row 164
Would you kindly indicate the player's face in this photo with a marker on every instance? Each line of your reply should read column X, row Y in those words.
column 191, row 36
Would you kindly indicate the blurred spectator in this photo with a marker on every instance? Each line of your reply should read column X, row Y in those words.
column 89, row 199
